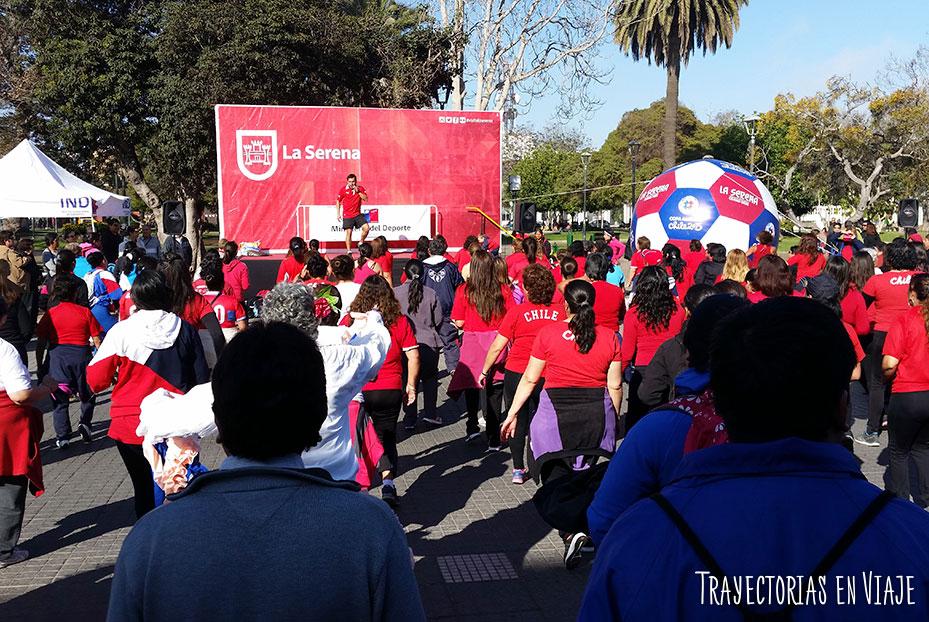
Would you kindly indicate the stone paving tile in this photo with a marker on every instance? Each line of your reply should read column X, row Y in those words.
column 454, row 501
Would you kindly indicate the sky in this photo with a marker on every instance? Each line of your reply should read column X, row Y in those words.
column 781, row 46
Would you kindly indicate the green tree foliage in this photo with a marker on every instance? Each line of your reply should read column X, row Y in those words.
column 668, row 33
column 131, row 85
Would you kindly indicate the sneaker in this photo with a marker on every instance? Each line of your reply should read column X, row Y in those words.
column 519, row 476
column 389, row 495
column 84, row 429
column 62, row 443
column 574, row 550
column 16, row 555
column 492, row 449
column 868, row 438
column 433, row 420
column 472, row 436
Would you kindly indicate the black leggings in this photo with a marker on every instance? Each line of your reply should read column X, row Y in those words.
column 493, row 394
column 878, row 390
column 140, row 472
column 636, row 408
column 429, row 377
column 908, row 436
column 383, row 406
column 523, row 418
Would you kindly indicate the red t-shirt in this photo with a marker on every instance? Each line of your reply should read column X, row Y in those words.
column 609, row 304
column 520, row 326
column 907, row 342
column 581, row 264
column 126, row 306
column 402, row 338
column 565, row 366
column 386, row 262
column 644, row 258
column 227, row 309
column 199, row 287
column 68, row 324
column 890, row 292
column 515, row 264
column 351, row 201
column 461, row 259
column 195, row 310
column 855, row 312
column 641, row 342
column 289, row 271
column 804, row 267
column 463, row 310
column 856, row 344
column 761, row 251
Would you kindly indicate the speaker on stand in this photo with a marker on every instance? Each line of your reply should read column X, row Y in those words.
column 173, row 217
column 525, row 221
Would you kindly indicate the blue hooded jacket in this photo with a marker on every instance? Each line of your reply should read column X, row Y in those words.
column 761, row 509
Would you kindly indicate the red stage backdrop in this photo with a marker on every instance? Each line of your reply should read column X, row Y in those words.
column 281, row 167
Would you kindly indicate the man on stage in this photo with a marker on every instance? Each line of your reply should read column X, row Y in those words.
column 349, row 200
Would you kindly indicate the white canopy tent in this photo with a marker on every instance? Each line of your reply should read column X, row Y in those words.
column 32, row 185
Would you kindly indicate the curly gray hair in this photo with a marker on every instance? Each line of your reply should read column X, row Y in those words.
column 291, row 303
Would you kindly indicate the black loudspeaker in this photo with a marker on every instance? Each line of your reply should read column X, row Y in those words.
column 525, row 218
column 174, row 218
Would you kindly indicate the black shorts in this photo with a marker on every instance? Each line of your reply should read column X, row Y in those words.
column 357, row 222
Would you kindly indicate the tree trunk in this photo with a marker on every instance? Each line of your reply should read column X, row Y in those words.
column 458, row 83
column 193, row 213
column 130, row 170
column 669, row 129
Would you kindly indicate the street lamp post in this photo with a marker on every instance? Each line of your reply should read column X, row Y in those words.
column 442, row 93
column 585, row 159
column 750, row 124
column 633, row 152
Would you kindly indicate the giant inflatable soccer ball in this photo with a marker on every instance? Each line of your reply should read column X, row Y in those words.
column 707, row 200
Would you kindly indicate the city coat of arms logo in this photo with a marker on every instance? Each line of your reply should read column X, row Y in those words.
column 256, row 153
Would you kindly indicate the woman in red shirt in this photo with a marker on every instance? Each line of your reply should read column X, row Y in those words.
column 292, row 265
column 654, row 317
column 763, row 248
column 575, row 422
column 887, row 297
column 772, row 279
column 478, row 310
column 518, row 330
column 854, row 310
column 383, row 258
column 385, row 395
column 236, row 272
column 809, row 259
column 906, row 361
column 610, row 303
column 192, row 307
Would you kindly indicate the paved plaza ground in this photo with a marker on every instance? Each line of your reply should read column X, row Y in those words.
column 482, row 552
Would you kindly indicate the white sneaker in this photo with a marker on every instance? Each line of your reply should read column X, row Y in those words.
column 16, row 555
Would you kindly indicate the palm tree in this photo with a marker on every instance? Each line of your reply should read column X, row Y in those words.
column 668, row 32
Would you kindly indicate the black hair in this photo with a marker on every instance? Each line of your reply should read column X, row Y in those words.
column 576, row 248
column 749, row 376
column 840, row 270
column 96, row 259
column 365, row 250
column 568, row 267
column 703, row 321
column 898, row 255
column 343, row 268
column 177, row 278
column 316, row 265
column 717, row 252
column 274, row 369
column 65, row 290
column 653, row 302
column 230, row 250
column 50, row 238
column 671, row 258
column 530, row 248
column 66, row 261
column 438, row 245
column 597, row 266
column 697, row 293
column 150, row 291
column 351, row 176
column 730, row 287
column 414, row 276
column 422, row 247
column 126, row 263
column 211, row 271
column 313, row 244
column 147, row 262
column 579, row 296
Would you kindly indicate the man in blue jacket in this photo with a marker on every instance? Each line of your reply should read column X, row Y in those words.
column 780, row 519
column 263, row 538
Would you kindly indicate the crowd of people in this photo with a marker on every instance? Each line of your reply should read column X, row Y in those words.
column 742, row 373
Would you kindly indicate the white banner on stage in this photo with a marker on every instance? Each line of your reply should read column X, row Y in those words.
column 395, row 222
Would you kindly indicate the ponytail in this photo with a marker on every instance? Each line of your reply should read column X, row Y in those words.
column 414, row 273
column 580, row 296
column 919, row 285
column 365, row 250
